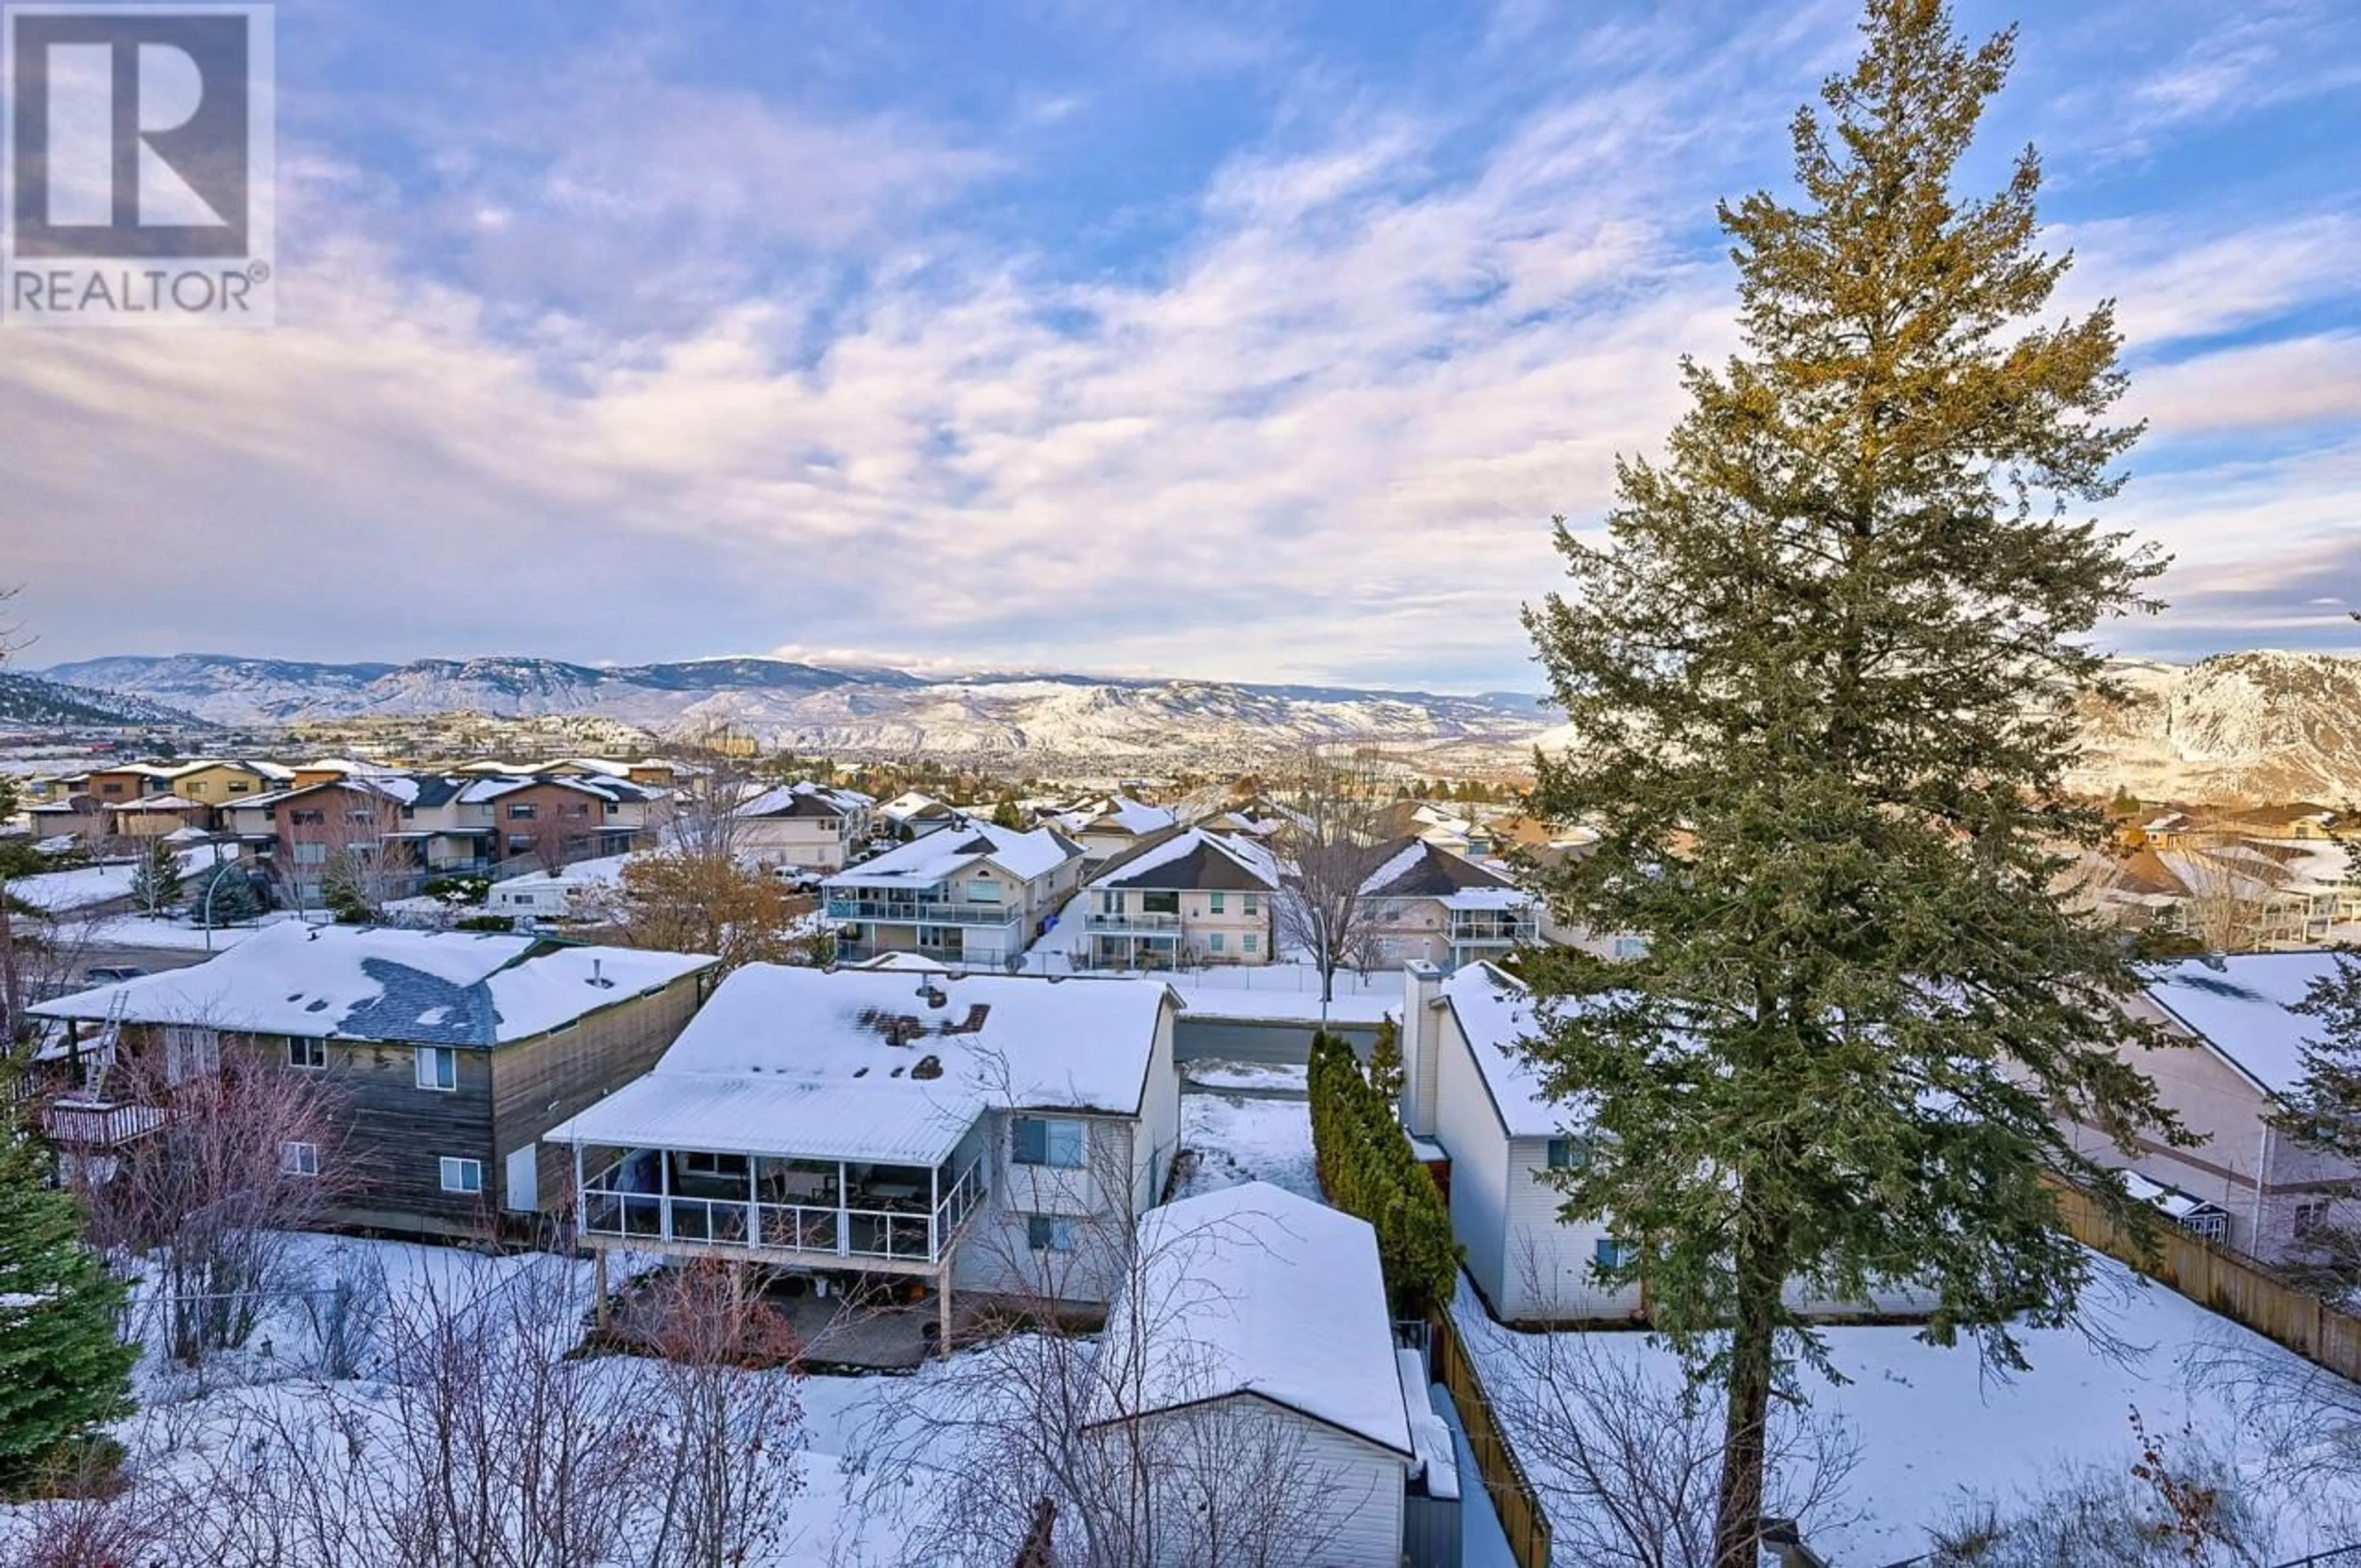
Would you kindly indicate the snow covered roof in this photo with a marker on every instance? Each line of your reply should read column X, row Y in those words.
column 910, row 803
column 1417, row 869
column 2243, row 1005
column 1117, row 814
column 804, row 800
column 1252, row 1289
column 823, row 1063
column 1494, row 1011
column 369, row 982
column 938, row 857
column 1191, row 859
column 157, row 802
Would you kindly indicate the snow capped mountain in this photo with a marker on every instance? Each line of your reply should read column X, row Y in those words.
column 30, row 700
column 2236, row 727
column 2259, row 727
column 808, row 705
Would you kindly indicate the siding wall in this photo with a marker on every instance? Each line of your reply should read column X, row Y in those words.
column 1352, row 1487
column 540, row 1082
column 1470, row 1133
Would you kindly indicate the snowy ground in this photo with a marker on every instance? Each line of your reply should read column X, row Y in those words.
column 1259, row 1077
column 1237, row 1139
column 1934, row 1430
column 178, row 935
column 86, row 887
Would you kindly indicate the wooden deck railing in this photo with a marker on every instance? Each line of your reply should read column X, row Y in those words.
column 1514, row 1500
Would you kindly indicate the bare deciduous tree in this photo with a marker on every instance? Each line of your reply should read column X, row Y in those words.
column 206, row 1162
column 726, row 1391
column 1333, row 844
column 1036, row 1412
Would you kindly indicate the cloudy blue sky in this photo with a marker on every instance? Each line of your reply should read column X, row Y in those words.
column 1254, row 341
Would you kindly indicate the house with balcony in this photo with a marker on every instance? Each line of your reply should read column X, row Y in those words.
column 971, row 894
column 1426, row 904
column 1185, row 897
column 807, row 825
column 449, row 1054
column 972, row 1131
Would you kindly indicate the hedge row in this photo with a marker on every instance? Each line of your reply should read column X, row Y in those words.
column 1367, row 1168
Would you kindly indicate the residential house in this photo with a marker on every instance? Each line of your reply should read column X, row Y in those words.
column 1425, row 904
column 218, row 781
column 453, row 1053
column 128, row 781
column 2248, row 1184
column 1185, row 895
column 806, row 825
column 1110, row 824
column 974, row 893
column 73, row 817
column 912, row 815
column 1466, row 1088
column 157, row 816
column 1253, row 1321
column 973, row 1131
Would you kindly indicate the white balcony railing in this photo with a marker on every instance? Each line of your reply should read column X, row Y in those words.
column 898, row 912
column 1096, row 921
column 856, row 1229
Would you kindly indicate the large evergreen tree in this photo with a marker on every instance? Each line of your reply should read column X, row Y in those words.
column 1821, row 682
column 156, row 883
column 63, row 1369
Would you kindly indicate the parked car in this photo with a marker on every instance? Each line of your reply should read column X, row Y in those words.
column 108, row 975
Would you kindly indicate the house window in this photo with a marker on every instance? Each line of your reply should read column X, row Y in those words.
column 1216, row 943
column 1055, row 1142
column 309, row 853
column 302, row 1050
column 1613, row 1253
column 1048, row 1232
column 189, row 1051
column 1251, row 942
column 1160, row 903
column 693, row 1163
column 238, row 788
column 519, row 843
column 299, row 1159
column 2308, row 1216
column 1568, row 1154
column 1252, row 904
column 438, row 1067
column 308, row 818
column 983, row 890
column 461, row 1175
column 1110, row 904
column 522, row 812
column 1630, row 946
column 1216, row 903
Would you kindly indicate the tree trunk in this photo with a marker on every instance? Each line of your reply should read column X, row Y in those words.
column 1762, row 1271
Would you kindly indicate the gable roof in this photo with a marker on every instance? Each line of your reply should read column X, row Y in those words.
column 803, row 800
column 967, row 842
column 1255, row 1290
column 2244, row 1007
column 1191, row 859
column 1417, row 869
column 1494, row 1011
column 370, row 983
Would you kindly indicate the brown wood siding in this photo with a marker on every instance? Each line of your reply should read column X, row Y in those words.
column 540, row 1082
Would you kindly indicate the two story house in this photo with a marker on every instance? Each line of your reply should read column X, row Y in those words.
column 984, row 1132
column 449, row 1053
column 972, row 894
column 806, row 825
column 1426, row 904
column 1185, row 895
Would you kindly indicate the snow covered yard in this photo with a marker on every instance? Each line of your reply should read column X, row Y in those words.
column 1239, row 1138
column 1936, row 1432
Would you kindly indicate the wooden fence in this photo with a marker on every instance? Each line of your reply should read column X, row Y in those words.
column 2239, row 1288
column 1511, row 1491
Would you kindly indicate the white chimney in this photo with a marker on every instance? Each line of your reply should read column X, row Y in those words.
column 1422, row 1028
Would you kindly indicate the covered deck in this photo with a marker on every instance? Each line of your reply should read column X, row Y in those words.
column 790, row 1174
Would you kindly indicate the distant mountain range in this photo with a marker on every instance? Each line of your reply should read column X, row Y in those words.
column 983, row 717
column 39, row 704
column 2236, row 727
